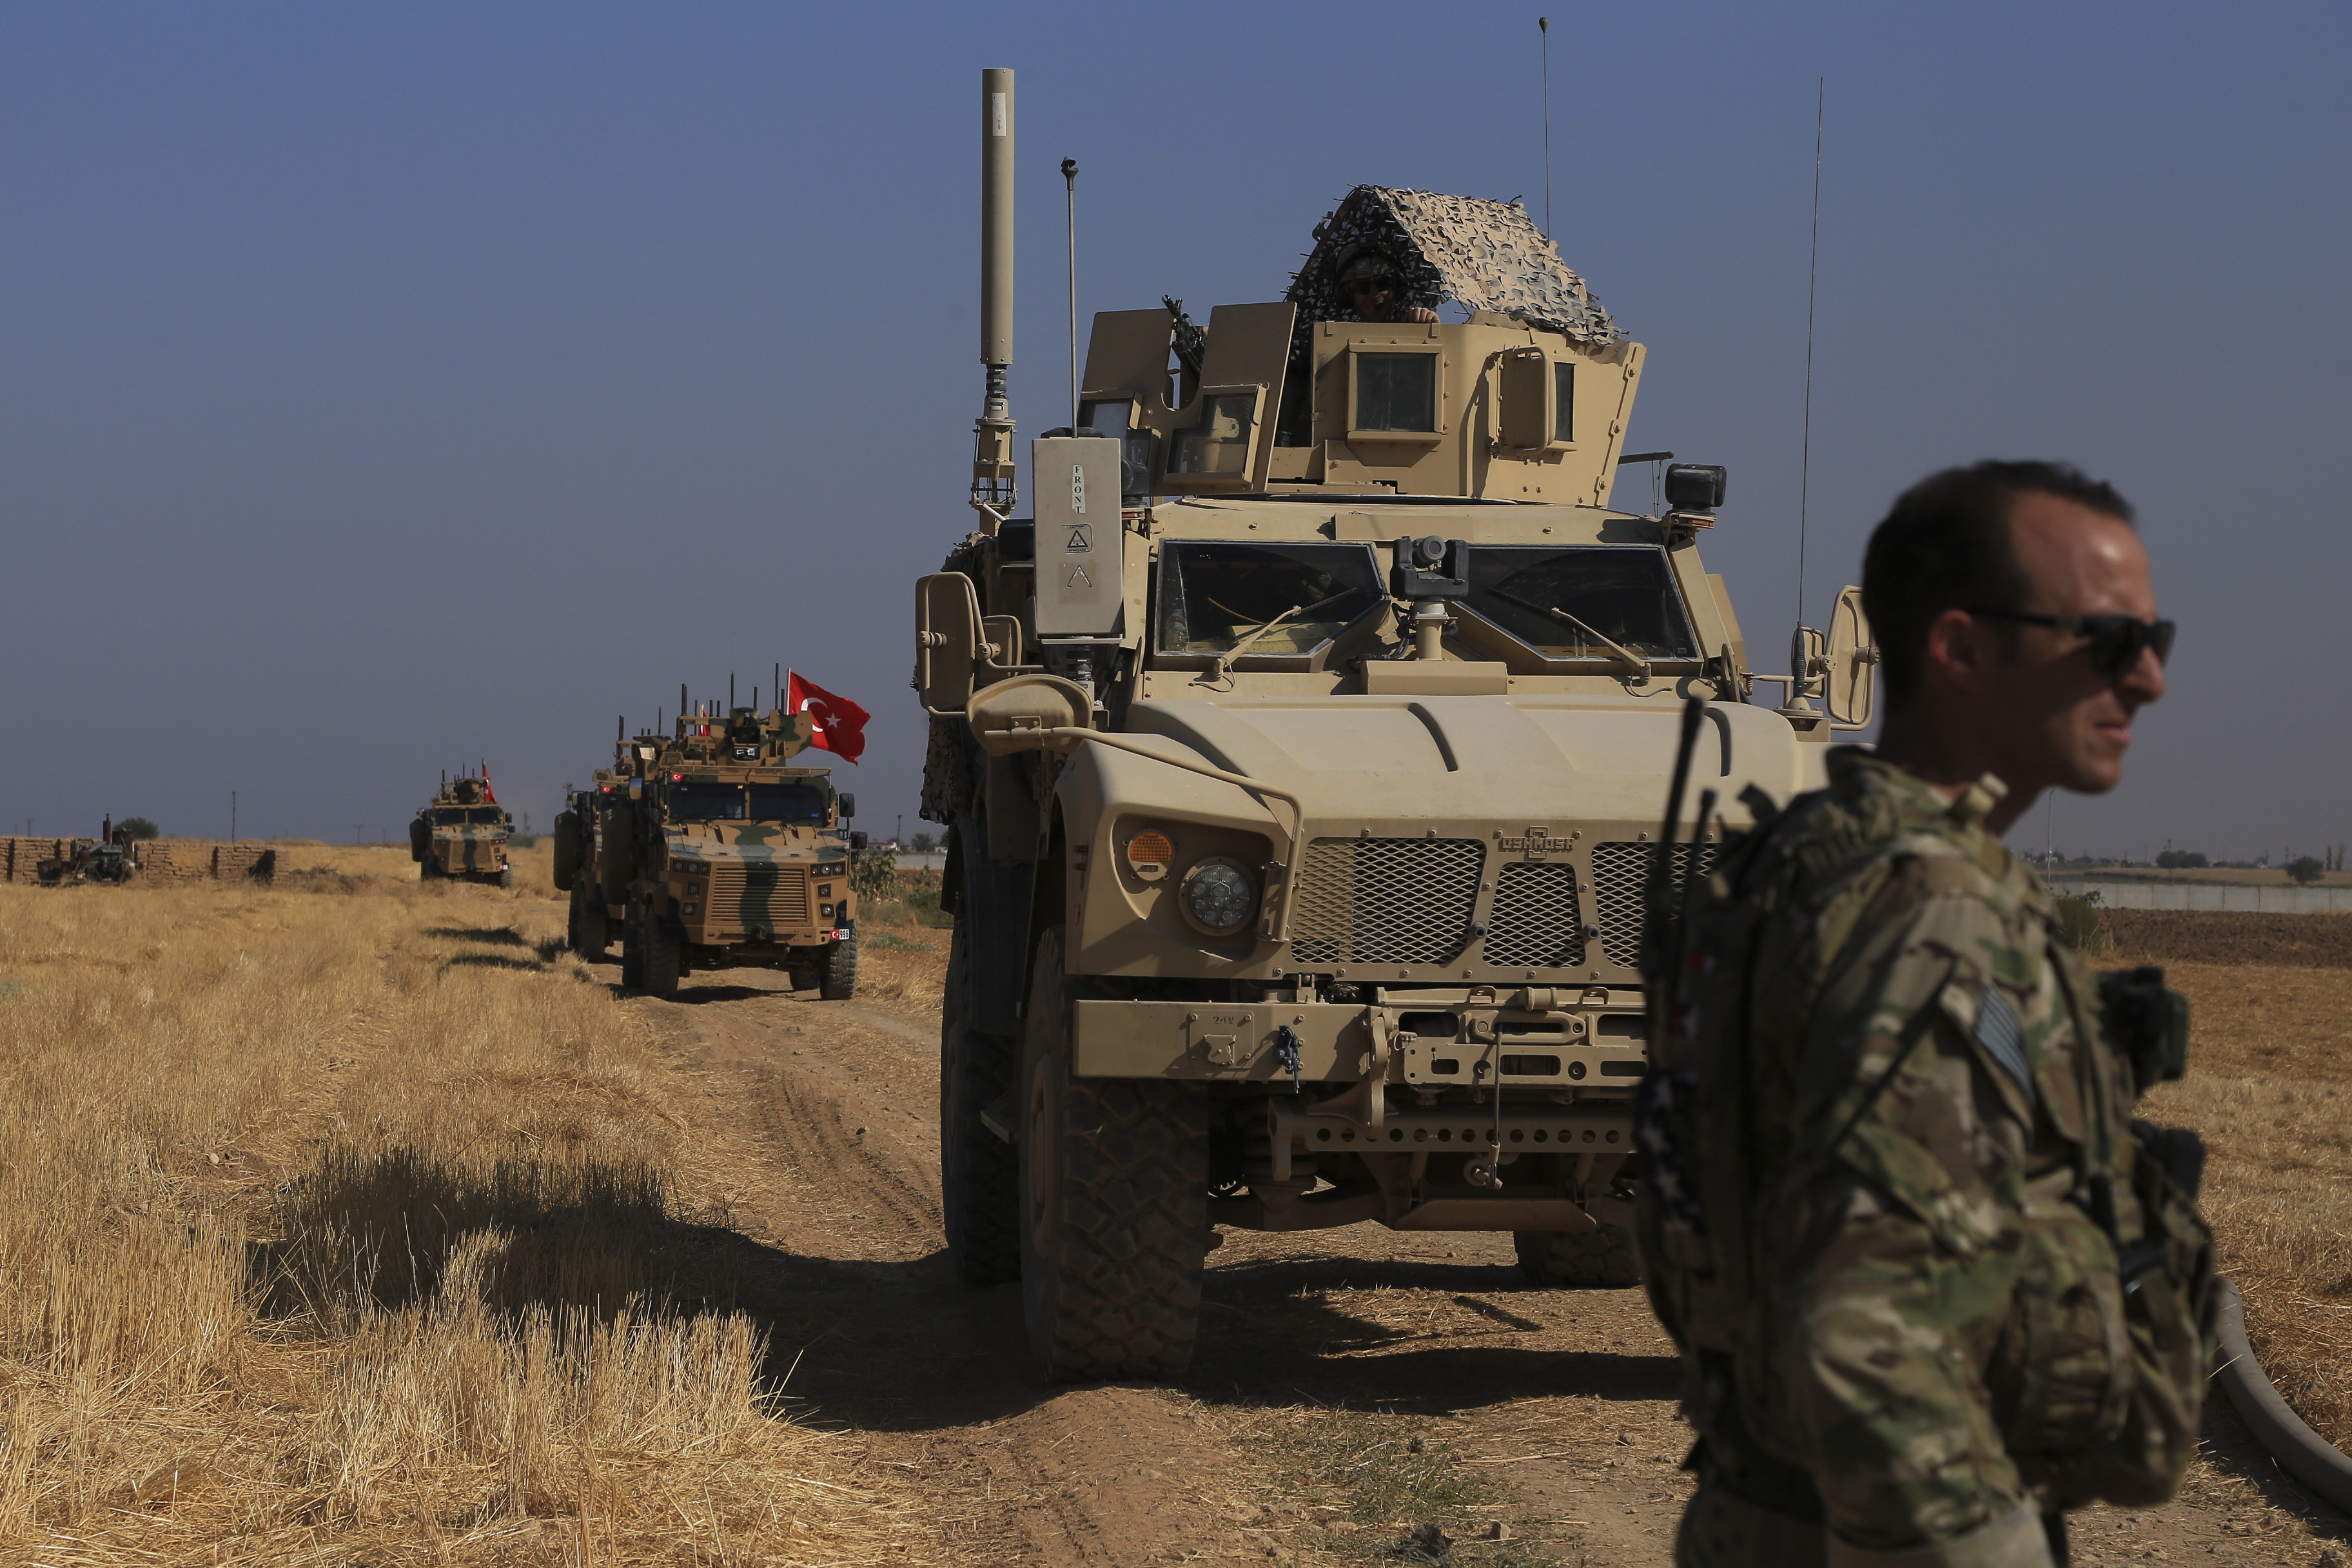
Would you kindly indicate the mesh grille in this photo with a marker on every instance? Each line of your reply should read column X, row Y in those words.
column 1621, row 888
column 770, row 899
column 1386, row 901
column 1538, row 920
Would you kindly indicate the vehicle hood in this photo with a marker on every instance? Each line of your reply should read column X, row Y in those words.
column 1507, row 759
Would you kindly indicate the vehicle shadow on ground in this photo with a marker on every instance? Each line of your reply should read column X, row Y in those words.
column 499, row 936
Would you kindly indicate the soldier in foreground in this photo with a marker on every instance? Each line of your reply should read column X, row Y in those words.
column 1932, row 1285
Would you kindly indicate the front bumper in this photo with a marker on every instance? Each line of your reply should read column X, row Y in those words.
column 1587, row 1043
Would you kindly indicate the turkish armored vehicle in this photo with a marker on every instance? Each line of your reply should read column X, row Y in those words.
column 1302, row 753
column 705, row 850
column 462, row 835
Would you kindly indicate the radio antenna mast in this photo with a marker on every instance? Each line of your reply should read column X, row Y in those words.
column 1543, row 45
column 1070, row 186
column 1813, row 271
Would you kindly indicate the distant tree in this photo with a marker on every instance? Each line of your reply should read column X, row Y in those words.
column 925, row 844
column 2181, row 860
column 138, row 827
column 2306, row 869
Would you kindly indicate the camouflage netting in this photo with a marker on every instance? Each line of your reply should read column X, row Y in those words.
column 1487, row 255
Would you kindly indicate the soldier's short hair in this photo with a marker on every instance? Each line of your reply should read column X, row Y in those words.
column 1946, row 543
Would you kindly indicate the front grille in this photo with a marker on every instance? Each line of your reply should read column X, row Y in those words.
column 1620, row 889
column 1386, row 900
column 1538, row 920
column 765, row 897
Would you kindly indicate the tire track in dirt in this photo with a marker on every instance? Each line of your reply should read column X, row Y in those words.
column 1565, row 1395
column 841, row 1105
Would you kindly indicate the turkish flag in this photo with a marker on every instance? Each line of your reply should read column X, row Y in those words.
column 840, row 723
column 486, row 790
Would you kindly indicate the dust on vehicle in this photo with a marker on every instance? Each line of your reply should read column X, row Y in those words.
column 462, row 835
column 1302, row 754
column 706, row 849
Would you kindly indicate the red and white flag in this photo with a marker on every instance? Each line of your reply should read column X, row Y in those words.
column 486, row 790
column 840, row 723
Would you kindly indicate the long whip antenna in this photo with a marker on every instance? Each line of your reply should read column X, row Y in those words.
column 1813, row 271
column 1543, row 26
column 1070, row 186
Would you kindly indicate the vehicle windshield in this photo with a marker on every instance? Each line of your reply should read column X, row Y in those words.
column 1213, row 595
column 1624, row 592
column 467, row 816
column 792, row 800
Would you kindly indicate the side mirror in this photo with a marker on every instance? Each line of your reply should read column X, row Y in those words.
column 1030, row 713
column 947, row 640
column 857, row 842
column 1850, row 692
column 848, row 805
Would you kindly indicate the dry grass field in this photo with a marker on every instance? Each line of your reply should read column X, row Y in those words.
column 351, row 1220
column 2270, row 1087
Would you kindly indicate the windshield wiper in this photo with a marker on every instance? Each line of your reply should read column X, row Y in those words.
column 1222, row 662
column 1617, row 650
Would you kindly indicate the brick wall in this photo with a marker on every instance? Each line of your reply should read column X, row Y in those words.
column 161, row 861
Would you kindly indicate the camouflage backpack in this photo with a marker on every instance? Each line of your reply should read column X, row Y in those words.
column 2098, row 1378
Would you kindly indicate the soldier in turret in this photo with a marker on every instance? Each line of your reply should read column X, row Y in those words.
column 1374, row 285
column 1932, row 1285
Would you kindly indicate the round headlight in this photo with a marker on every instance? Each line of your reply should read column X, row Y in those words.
column 1217, row 895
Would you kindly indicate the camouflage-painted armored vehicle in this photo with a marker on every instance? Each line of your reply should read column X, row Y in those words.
column 1303, row 755
column 462, row 835
column 705, row 850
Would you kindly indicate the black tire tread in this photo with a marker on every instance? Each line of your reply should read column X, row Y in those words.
column 837, row 981
column 979, row 1174
column 1117, row 1288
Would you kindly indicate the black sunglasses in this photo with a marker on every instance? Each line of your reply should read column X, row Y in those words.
column 1369, row 285
column 2116, row 640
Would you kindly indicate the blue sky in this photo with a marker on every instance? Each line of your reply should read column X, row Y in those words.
column 388, row 387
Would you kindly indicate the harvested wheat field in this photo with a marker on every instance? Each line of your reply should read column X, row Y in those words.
column 2270, row 1087
column 353, row 1220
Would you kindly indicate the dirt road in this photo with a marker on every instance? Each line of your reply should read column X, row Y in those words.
column 1349, row 1385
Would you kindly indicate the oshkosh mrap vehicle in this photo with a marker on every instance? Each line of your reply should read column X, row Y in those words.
column 462, row 835
column 1303, row 755
column 707, row 850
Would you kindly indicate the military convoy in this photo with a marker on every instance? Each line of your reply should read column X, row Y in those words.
column 462, row 835
column 706, row 849
column 1302, row 753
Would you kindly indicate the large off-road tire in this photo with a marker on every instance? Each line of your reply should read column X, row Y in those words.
column 428, row 870
column 1114, row 1204
column 586, row 930
column 837, row 981
column 979, row 1174
column 1601, row 1260
column 633, row 950
column 665, row 961
column 506, row 876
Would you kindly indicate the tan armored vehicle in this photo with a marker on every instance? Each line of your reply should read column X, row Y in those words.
column 462, row 835
column 705, row 850
column 1303, row 755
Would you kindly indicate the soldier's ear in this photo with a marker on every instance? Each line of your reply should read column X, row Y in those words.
column 1960, row 651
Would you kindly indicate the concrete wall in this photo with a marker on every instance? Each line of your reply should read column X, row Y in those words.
column 2261, row 897
column 161, row 861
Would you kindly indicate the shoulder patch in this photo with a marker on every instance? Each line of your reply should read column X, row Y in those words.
column 2003, row 1038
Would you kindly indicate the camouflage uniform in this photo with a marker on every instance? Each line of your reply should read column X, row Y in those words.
column 1889, row 1174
